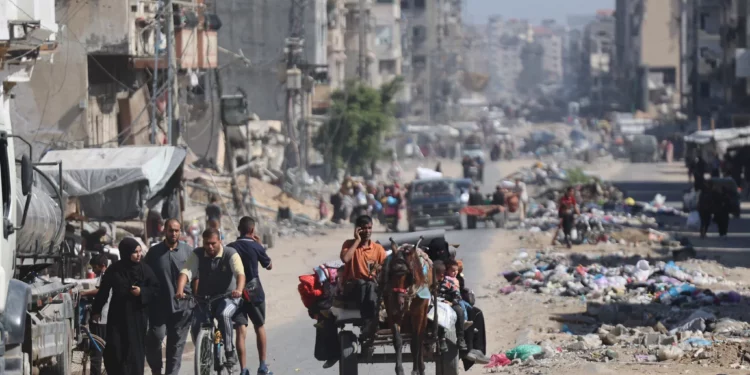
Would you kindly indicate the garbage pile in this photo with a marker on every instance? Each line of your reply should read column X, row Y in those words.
column 540, row 174
column 603, row 206
column 642, row 283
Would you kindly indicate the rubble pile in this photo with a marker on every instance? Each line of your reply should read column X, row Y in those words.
column 634, row 313
column 604, row 208
column 664, row 283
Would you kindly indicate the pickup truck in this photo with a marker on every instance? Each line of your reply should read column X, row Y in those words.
column 433, row 203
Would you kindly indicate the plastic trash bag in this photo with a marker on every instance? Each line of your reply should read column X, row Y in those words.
column 659, row 200
column 523, row 352
column 693, row 220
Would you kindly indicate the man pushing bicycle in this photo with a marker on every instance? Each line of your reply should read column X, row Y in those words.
column 218, row 271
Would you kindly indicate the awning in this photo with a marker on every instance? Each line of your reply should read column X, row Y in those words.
column 723, row 138
column 115, row 183
column 94, row 170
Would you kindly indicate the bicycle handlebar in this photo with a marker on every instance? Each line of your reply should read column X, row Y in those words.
column 206, row 299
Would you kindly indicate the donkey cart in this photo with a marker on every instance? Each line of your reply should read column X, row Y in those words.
column 356, row 350
column 370, row 349
column 487, row 213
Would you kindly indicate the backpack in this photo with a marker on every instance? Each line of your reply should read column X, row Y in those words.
column 309, row 290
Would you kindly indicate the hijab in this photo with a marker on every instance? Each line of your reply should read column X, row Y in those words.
column 132, row 271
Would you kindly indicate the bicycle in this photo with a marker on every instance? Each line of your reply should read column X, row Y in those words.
column 209, row 347
column 88, row 342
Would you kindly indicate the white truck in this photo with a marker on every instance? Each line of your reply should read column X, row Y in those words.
column 36, row 312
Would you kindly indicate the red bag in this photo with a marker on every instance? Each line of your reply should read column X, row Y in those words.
column 309, row 290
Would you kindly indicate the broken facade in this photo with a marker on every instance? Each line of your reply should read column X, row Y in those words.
column 96, row 92
column 649, row 55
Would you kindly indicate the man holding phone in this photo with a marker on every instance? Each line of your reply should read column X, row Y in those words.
column 361, row 255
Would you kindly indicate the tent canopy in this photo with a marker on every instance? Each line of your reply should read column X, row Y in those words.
column 94, row 170
column 724, row 138
column 114, row 184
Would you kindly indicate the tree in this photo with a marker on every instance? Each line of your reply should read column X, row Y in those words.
column 360, row 116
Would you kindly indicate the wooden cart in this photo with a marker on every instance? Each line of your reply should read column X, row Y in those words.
column 486, row 213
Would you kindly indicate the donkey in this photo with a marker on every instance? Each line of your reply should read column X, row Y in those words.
column 405, row 275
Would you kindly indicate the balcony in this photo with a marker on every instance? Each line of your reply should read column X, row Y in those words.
column 196, row 43
column 30, row 32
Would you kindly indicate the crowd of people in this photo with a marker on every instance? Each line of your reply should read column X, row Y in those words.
column 716, row 199
column 354, row 199
column 143, row 299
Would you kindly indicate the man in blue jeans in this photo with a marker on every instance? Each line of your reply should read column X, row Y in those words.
column 253, row 307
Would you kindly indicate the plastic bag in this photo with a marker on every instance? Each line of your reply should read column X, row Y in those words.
column 659, row 200
column 523, row 352
column 693, row 220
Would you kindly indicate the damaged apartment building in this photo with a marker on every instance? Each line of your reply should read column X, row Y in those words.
column 97, row 91
column 432, row 50
column 649, row 63
column 719, row 56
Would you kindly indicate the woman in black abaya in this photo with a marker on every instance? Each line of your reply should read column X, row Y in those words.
column 133, row 286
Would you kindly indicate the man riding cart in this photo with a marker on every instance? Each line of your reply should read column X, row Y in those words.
column 354, row 296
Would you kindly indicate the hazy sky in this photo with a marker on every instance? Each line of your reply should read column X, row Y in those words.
column 533, row 10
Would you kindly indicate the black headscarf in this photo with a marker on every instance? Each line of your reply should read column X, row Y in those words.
column 132, row 270
column 439, row 250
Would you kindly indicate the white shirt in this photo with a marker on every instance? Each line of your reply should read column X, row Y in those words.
column 524, row 194
column 105, row 309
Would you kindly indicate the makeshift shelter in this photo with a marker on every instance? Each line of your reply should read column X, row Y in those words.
column 116, row 184
column 727, row 138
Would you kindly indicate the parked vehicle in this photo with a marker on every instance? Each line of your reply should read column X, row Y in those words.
column 433, row 203
column 643, row 149
column 36, row 316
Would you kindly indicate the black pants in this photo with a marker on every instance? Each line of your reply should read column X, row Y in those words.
column 705, row 221
column 459, row 320
column 722, row 221
column 698, row 181
column 96, row 355
column 365, row 295
column 327, row 345
column 567, row 225
column 475, row 337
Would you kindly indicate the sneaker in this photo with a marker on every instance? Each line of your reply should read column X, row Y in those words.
column 330, row 363
column 245, row 371
column 477, row 357
column 264, row 371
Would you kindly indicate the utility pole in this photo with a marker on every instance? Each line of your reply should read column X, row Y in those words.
column 294, row 88
column 363, row 19
column 437, row 63
column 155, row 91
column 173, row 109
column 408, row 49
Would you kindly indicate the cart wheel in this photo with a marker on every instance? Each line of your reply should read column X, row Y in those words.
column 348, row 363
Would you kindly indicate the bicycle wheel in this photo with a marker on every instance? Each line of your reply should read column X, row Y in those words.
column 204, row 353
column 100, row 341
